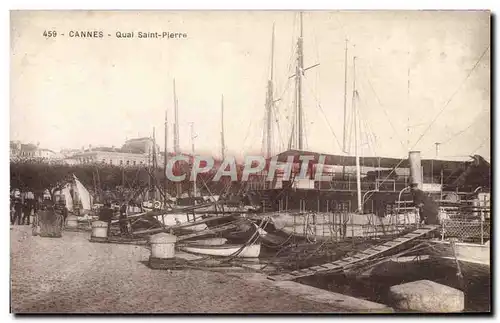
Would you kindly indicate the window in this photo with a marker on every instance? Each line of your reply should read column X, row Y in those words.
column 134, row 163
column 121, row 162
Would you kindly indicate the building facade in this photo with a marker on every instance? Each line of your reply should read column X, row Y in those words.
column 19, row 150
column 134, row 152
column 117, row 158
column 142, row 145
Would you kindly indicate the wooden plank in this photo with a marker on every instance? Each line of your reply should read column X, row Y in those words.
column 330, row 266
column 390, row 244
column 281, row 277
column 357, row 258
column 360, row 256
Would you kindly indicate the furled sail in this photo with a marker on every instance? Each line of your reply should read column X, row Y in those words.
column 84, row 195
column 67, row 197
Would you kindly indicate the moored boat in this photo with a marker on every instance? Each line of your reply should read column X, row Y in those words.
column 226, row 250
column 328, row 226
column 206, row 242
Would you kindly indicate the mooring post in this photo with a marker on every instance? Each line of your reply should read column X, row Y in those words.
column 163, row 246
column 99, row 230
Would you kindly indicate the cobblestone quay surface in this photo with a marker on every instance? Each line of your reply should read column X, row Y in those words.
column 73, row 275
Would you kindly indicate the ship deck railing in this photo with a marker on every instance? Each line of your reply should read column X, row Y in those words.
column 472, row 230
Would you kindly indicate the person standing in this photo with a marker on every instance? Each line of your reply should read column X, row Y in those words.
column 106, row 215
column 26, row 212
column 62, row 212
column 123, row 219
column 18, row 208
column 428, row 209
column 11, row 210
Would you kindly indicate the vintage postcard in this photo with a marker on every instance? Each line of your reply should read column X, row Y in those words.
column 250, row 161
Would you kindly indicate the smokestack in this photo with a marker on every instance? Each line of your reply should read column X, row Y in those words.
column 415, row 168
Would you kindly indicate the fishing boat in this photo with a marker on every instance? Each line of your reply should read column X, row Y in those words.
column 225, row 250
column 206, row 242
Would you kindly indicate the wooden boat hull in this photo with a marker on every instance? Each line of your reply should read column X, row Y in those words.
column 252, row 251
column 207, row 242
column 464, row 252
column 272, row 240
column 329, row 226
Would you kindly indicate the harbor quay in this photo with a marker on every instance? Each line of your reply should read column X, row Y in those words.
column 73, row 275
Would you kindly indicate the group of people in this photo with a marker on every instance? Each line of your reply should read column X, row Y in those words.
column 24, row 211
column 21, row 210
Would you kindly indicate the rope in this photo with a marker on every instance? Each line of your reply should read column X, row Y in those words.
column 324, row 114
column 234, row 254
column 250, row 241
column 439, row 113
column 481, row 145
column 455, row 135
column 385, row 110
column 452, row 96
column 459, row 270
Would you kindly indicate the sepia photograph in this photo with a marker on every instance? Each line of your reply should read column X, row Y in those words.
column 250, row 162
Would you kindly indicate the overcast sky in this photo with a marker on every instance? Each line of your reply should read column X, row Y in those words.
column 69, row 92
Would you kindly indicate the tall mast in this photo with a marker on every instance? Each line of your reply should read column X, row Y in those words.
column 270, row 101
column 155, row 163
column 223, row 145
column 355, row 113
column 165, row 157
column 298, row 73
column 176, row 123
column 149, row 176
column 409, row 108
column 154, row 149
column 192, row 153
column 345, row 97
column 176, row 136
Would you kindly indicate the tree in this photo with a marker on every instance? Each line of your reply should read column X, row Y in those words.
column 38, row 177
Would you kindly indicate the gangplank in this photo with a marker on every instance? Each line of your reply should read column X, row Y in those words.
column 367, row 254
